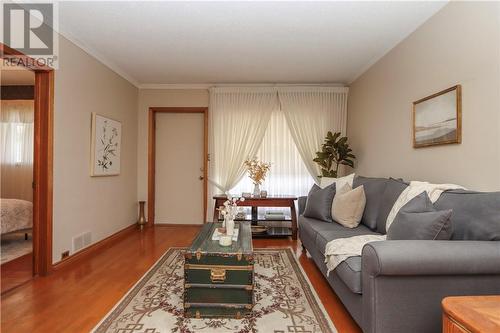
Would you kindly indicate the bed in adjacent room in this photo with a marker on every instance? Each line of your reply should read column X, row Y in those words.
column 15, row 215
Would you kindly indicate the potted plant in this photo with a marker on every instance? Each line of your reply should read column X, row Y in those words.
column 335, row 151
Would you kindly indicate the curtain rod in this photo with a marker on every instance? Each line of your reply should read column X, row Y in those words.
column 236, row 85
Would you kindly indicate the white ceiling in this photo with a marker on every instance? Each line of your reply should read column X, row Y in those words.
column 240, row 42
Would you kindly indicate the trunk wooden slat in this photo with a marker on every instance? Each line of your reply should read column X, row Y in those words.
column 218, row 280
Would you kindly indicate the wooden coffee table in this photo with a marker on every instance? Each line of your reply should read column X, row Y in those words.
column 270, row 201
column 219, row 280
column 471, row 314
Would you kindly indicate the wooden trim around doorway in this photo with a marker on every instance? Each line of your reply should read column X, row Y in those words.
column 42, row 159
column 152, row 155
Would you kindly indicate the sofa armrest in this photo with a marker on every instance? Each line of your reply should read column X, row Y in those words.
column 418, row 257
column 302, row 204
column 414, row 276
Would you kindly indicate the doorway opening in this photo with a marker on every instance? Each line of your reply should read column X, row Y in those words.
column 187, row 166
column 40, row 189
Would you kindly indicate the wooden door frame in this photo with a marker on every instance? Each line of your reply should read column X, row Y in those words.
column 42, row 159
column 152, row 155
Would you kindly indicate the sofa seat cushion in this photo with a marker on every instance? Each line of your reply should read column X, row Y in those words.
column 323, row 236
column 349, row 271
column 310, row 227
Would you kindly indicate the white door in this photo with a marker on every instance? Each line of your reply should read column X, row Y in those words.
column 179, row 168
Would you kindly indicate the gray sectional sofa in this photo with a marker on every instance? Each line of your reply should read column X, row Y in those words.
column 398, row 285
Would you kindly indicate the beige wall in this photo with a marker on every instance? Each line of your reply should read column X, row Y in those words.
column 459, row 45
column 101, row 205
column 159, row 98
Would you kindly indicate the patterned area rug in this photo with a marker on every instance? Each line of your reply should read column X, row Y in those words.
column 285, row 301
column 13, row 245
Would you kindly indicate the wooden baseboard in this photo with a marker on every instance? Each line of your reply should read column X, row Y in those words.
column 92, row 249
column 177, row 225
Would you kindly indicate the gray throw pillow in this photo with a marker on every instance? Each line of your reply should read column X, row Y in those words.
column 418, row 219
column 319, row 203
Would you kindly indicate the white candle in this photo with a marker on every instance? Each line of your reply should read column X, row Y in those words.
column 225, row 240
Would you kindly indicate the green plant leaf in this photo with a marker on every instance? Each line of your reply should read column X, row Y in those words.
column 334, row 151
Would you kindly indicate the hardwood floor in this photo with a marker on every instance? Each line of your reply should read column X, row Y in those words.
column 76, row 297
column 16, row 272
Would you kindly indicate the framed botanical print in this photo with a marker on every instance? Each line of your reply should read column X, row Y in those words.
column 437, row 119
column 106, row 146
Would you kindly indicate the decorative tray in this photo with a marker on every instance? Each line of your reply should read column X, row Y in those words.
column 216, row 235
column 259, row 229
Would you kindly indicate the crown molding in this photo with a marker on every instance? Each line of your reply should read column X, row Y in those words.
column 174, row 86
column 98, row 56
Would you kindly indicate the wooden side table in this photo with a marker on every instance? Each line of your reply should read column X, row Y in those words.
column 471, row 314
column 270, row 201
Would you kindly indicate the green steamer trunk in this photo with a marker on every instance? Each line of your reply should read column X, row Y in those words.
column 219, row 281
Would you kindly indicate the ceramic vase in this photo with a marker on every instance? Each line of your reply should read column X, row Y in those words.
column 230, row 227
column 256, row 191
column 141, row 221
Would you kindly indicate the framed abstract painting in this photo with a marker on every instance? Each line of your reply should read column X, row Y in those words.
column 106, row 146
column 437, row 119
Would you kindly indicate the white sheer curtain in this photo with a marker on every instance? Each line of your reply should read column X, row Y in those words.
column 288, row 173
column 16, row 151
column 310, row 113
column 238, row 118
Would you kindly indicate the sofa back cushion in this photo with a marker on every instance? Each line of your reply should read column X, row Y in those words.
column 319, row 203
column 391, row 193
column 374, row 189
column 476, row 215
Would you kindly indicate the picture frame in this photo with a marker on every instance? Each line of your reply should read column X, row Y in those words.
column 106, row 134
column 437, row 119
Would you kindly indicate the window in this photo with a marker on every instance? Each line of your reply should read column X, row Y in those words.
column 288, row 174
column 17, row 133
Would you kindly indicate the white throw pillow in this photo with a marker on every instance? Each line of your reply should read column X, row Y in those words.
column 348, row 206
column 339, row 182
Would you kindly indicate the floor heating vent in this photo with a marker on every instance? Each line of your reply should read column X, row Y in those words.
column 82, row 241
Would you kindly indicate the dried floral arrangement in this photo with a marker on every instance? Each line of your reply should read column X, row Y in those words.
column 230, row 208
column 257, row 170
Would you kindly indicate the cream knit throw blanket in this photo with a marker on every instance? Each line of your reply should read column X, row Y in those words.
column 433, row 191
column 338, row 250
